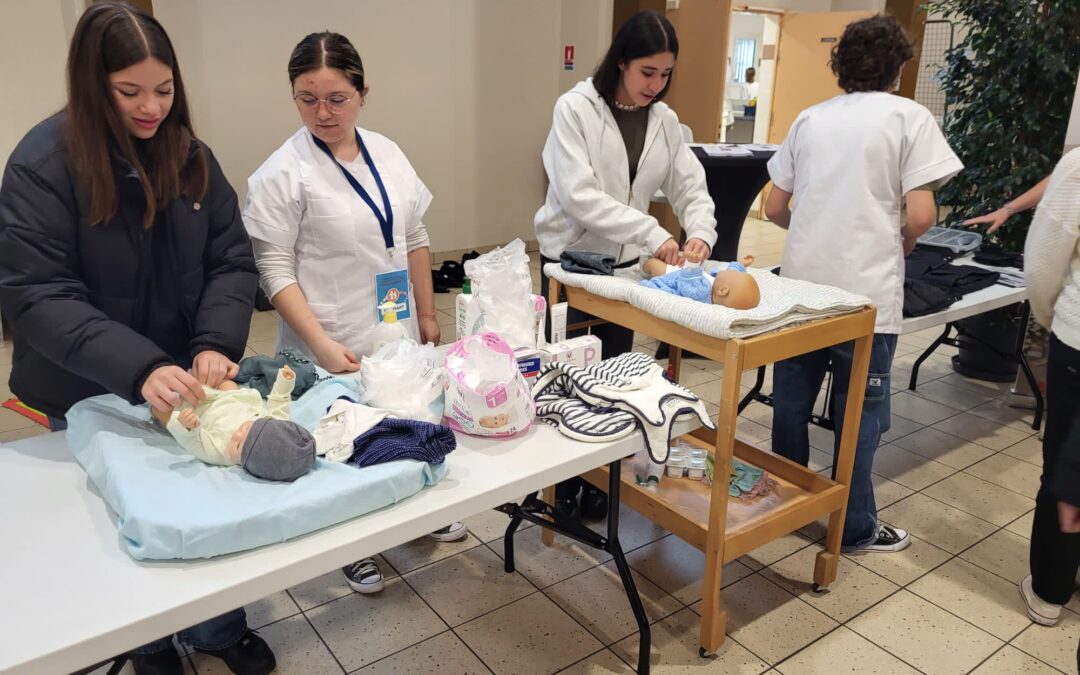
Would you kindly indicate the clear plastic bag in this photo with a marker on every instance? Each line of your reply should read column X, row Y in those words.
column 406, row 379
column 502, row 290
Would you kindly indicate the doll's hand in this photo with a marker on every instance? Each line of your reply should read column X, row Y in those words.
column 212, row 368
column 188, row 418
column 429, row 330
column 696, row 250
column 287, row 373
column 336, row 357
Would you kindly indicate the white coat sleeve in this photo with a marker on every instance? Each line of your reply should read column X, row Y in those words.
column 273, row 208
column 925, row 156
column 1052, row 241
column 276, row 265
column 417, row 235
column 573, row 179
column 782, row 164
column 688, row 192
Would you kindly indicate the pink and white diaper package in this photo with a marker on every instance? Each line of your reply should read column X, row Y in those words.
column 486, row 394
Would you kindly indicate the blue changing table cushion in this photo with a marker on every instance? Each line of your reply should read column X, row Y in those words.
column 170, row 505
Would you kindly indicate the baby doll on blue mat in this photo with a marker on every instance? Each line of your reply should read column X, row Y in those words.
column 232, row 426
column 732, row 286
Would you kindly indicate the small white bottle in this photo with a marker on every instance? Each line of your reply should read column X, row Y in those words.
column 388, row 330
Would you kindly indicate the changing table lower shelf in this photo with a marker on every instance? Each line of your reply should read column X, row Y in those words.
column 682, row 506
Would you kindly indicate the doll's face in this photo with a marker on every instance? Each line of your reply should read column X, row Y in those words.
column 737, row 290
column 236, row 443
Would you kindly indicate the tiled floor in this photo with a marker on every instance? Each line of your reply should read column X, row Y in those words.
column 959, row 469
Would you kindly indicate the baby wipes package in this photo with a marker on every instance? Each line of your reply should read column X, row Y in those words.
column 486, row 394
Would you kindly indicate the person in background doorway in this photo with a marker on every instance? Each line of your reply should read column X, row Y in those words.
column 846, row 167
column 1052, row 275
column 124, row 261
column 333, row 213
column 751, row 89
column 613, row 143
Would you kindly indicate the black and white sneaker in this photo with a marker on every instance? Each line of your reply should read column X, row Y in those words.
column 364, row 576
column 452, row 532
column 889, row 540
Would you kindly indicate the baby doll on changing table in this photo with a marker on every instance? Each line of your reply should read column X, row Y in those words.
column 732, row 286
column 233, row 426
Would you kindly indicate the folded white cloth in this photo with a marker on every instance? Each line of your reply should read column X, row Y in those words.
column 783, row 301
column 339, row 427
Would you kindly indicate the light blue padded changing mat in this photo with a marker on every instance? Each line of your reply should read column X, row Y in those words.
column 170, row 505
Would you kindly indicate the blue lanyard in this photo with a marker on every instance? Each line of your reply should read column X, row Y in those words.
column 387, row 222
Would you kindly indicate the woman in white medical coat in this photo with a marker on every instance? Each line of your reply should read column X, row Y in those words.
column 334, row 213
column 336, row 220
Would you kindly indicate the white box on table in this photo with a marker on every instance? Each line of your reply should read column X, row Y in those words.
column 581, row 351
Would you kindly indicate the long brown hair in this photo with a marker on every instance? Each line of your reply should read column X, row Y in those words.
column 112, row 36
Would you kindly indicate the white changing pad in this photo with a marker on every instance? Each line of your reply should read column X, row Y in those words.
column 169, row 505
column 783, row 301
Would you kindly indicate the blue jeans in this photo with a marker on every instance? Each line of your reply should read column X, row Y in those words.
column 213, row 634
column 796, row 383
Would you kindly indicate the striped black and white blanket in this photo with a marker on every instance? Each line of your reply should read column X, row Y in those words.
column 614, row 398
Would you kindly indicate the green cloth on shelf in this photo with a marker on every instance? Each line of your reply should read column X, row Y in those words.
column 743, row 477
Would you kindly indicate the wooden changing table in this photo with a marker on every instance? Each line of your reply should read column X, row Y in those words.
column 704, row 516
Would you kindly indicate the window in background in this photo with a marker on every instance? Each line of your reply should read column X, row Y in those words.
column 745, row 49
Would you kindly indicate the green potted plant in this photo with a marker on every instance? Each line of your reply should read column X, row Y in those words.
column 1009, row 84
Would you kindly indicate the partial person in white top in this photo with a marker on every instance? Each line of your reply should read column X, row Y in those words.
column 592, row 202
column 1052, row 273
column 319, row 244
column 612, row 145
column 847, row 166
column 751, row 88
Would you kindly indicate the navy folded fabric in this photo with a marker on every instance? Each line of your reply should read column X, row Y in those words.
column 394, row 439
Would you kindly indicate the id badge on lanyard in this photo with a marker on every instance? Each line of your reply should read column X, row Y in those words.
column 386, row 222
column 392, row 296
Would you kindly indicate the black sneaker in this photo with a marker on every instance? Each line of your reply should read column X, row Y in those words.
column 250, row 656
column 889, row 540
column 364, row 576
column 165, row 662
column 566, row 508
column 593, row 504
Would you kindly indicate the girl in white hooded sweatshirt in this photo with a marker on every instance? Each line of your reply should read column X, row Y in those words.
column 612, row 145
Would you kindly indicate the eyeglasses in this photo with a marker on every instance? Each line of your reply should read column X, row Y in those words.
column 335, row 103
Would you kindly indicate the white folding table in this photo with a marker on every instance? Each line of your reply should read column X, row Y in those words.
column 972, row 304
column 71, row 596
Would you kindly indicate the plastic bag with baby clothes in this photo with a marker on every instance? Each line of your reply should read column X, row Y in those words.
column 406, row 379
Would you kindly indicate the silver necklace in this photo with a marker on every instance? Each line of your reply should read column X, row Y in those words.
column 625, row 108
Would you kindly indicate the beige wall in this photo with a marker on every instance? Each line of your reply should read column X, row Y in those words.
column 33, row 53
column 466, row 87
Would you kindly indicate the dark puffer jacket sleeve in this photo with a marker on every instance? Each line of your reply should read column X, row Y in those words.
column 46, row 301
column 224, row 313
